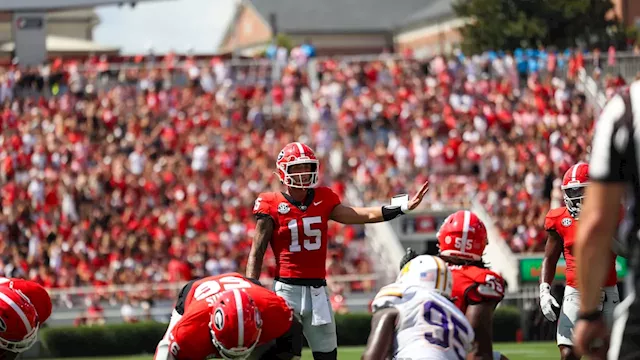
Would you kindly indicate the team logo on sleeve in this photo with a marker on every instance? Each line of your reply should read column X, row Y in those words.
column 566, row 222
column 283, row 208
column 218, row 319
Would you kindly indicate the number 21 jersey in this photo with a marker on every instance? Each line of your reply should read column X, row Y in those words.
column 429, row 325
column 299, row 240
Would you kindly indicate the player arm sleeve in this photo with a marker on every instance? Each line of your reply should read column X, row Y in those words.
column 490, row 288
column 167, row 349
column 386, row 298
column 262, row 207
column 182, row 297
column 613, row 142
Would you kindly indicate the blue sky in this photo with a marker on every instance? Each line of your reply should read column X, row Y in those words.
column 166, row 25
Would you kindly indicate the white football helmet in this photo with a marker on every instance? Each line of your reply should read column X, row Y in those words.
column 430, row 272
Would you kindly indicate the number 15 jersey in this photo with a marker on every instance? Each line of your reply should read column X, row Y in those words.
column 429, row 325
column 299, row 240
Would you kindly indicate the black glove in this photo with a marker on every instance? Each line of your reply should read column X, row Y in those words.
column 410, row 255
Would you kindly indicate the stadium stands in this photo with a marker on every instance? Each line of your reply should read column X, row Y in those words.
column 147, row 173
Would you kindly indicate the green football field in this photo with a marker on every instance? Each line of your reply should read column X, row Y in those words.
column 524, row 351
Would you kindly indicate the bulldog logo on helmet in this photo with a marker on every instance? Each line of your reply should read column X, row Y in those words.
column 218, row 319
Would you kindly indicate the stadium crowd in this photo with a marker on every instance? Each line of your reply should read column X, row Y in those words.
column 149, row 174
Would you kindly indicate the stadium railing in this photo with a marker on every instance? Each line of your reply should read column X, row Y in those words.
column 71, row 303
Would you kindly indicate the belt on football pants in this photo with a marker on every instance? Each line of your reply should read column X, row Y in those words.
column 303, row 282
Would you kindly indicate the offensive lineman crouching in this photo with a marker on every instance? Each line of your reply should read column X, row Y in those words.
column 295, row 224
column 228, row 317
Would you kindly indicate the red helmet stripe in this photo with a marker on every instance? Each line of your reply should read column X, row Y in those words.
column 18, row 311
column 465, row 230
column 238, row 297
column 300, row 148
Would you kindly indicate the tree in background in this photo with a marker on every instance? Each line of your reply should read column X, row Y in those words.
column 510, row 24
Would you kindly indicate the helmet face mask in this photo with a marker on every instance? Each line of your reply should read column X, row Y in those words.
column 297, row 166
column 301, row 174
column 573, row 197
column 574, row 183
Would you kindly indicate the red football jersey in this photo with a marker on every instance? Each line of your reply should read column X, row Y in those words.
column 38, row 295
column 300, row 238
column 190, row 338
column 560, row 221
column 474, row 285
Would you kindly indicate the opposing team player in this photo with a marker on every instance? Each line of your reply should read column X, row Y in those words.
column 228, row 317
column 417, row 307
column 561, row 225
column 295, row 224
column 19, row 323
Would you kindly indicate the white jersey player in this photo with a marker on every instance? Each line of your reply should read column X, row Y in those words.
column 415, row 318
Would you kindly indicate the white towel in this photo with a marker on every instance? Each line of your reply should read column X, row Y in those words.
column 320, row 305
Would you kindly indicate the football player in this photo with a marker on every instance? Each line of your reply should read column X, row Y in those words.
column 227, row 317
column 37, row 294
column 561, row 225
column 477, row 290
column 418, row 307
column 18, row 323
column 295, row 224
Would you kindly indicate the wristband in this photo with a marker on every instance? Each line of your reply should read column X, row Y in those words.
column 391, row 212
column 594, row 315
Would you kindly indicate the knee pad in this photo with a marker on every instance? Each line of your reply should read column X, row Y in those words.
column 333, row 355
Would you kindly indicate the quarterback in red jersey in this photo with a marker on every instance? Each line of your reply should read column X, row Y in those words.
column 295, row 224
column 561, row 226
column 38, row 295
column 228, row 317
column 18, row 323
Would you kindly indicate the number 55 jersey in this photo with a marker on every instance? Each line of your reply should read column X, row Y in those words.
column 429, row 325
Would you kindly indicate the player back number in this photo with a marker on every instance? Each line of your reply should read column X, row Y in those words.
column 212, row 287
column 312, row 237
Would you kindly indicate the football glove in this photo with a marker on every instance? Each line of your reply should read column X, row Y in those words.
column 410, row 255
column 548, row 304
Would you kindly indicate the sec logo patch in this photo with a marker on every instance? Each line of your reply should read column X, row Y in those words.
column 283, row 208
column 566, row 222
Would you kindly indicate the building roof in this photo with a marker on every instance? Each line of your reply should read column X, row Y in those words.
column 331, row 16
column 66, row 44
column 436, row 10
